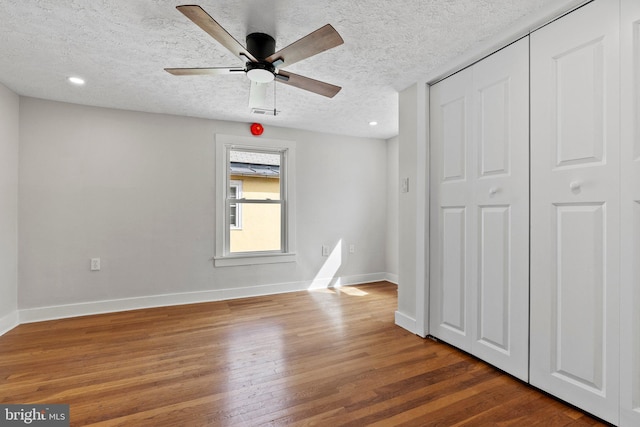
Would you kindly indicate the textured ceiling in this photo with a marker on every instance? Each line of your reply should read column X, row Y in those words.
column 121, row 47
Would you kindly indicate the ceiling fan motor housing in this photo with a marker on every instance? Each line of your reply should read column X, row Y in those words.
column 261, row 45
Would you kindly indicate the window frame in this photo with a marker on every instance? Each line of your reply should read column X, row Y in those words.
column 226, row 143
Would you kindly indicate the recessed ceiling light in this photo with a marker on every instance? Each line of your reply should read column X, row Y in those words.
column 373, row 123
column 76, row 81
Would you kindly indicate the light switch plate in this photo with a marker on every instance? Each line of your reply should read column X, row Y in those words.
column 404, row 185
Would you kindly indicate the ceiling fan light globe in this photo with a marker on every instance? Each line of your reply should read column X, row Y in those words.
column 259, row 75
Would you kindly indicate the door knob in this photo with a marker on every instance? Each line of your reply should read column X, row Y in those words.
column 575, row 185
column 493, row 191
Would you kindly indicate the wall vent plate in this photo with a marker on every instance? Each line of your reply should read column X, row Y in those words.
column 264, row 112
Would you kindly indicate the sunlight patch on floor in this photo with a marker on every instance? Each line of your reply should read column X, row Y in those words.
column 352, row 291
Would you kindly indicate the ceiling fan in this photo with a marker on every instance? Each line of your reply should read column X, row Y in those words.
column 262, row 62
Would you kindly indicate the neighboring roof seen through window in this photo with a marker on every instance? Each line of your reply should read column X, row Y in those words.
column 253, row 157
column 250, row 163
column 247, row 169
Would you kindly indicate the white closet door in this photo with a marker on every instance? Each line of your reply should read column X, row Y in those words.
column 630, row 215
column 575, row 208
column 452, row 214
column 480, row 213
column 500, row 291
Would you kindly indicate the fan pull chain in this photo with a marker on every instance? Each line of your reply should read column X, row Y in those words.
column 274, row 97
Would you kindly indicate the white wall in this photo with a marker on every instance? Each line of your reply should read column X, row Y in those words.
column 413, row 299
column 393, row 146
column 137, row 190
column 9, row 137
column 407, row 214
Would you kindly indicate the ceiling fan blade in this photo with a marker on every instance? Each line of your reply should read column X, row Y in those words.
column 257, row 95
column 301, row 82
column 203, row 71
column 320, row 40
column 203, row 20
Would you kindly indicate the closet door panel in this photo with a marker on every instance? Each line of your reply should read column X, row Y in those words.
column 454, row 137
column 578, row 294
column 579, row 80
column 494, row 126
column 451, row 210
column 630, row 215
column 454, row 248
column 479, row 209
column 500, row 291
column 575, row 208
column 494, row 278
column 630, row 313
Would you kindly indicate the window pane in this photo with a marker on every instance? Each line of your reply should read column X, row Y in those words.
column 233, row 216
column 259, row 173
column 260, row 231
column 235, row 212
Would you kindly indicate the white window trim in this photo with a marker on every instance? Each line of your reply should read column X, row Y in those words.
column 238, row 185
column 222, row 257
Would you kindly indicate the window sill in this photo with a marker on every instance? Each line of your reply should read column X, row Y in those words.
column 244, row 259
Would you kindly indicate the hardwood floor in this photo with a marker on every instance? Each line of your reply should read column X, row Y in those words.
column 327, row 358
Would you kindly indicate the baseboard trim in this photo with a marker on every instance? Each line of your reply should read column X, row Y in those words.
column 9, row 322
column 393, row 278
column 406, row 322
column 40, row 314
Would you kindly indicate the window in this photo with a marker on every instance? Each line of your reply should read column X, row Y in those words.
column 254, row 201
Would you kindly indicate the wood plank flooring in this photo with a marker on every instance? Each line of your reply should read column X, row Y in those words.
column 326, row 358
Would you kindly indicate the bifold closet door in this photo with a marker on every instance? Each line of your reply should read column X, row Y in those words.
column 630, row 215
column 451, row 197
column 575, row 208
column 480, row 209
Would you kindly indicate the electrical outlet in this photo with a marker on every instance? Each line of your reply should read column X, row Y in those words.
column 325, row 250
column 95, row 264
